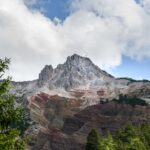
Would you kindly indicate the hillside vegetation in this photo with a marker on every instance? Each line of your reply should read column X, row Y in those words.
column 133, row 101
column 127, row 138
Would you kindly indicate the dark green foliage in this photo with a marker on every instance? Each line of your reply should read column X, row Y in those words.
column 133, row 101
column 10, row 115
column 93, row 141
column 23, row 124
column 107, row 143
column 127, row 138
column 133, row 80
column 145, row 133
column 4, row 65
column 131, row 138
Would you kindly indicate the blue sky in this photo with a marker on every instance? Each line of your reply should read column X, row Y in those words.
column 53, row 8
column 137, row 69
column 133, row 68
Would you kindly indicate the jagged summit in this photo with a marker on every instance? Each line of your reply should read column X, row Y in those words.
column 76, row 58
column 76, row 71
column 45, row 74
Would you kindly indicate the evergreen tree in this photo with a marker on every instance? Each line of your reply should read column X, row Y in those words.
column 127, row 138
column 137, row 144
column 131, row 138
column 93, row 141
column 145, row 134
column 107, row 143
column 10, row 114
column 133, row 101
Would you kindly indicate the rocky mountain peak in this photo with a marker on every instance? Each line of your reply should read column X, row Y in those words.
column 45, row 74
column 76, row 71
column 76, row 59
column 80, row 73
column 84, row 64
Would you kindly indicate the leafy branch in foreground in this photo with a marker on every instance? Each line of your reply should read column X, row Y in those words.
column 10, row 114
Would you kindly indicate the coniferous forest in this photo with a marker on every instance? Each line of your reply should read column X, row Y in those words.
column 127, row 138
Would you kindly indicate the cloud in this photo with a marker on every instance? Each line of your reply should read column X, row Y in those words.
column 130, row 16
column 101, row 30
column 145, row 4
column 31, row 2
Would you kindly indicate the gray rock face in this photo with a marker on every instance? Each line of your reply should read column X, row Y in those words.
column 24, row 88
column 81, row 70
column 74, row 72
column 45, row 75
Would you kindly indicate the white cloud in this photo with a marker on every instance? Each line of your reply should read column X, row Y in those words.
column 30, row 2
column 145, row 4
column 130, row 16
column 103, row 30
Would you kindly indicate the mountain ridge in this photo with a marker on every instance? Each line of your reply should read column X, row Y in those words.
column 78, row 74
column 69, row 59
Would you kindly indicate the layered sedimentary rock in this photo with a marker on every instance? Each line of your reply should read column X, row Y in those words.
column 64, row 125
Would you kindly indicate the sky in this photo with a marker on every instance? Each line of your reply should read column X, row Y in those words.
column 114, row 34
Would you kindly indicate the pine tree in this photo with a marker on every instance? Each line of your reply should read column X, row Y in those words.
column 93, row 141
column 10, row 114
column 145, row 134
column 128, row 138
column 107, row 143
column 137, row 144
